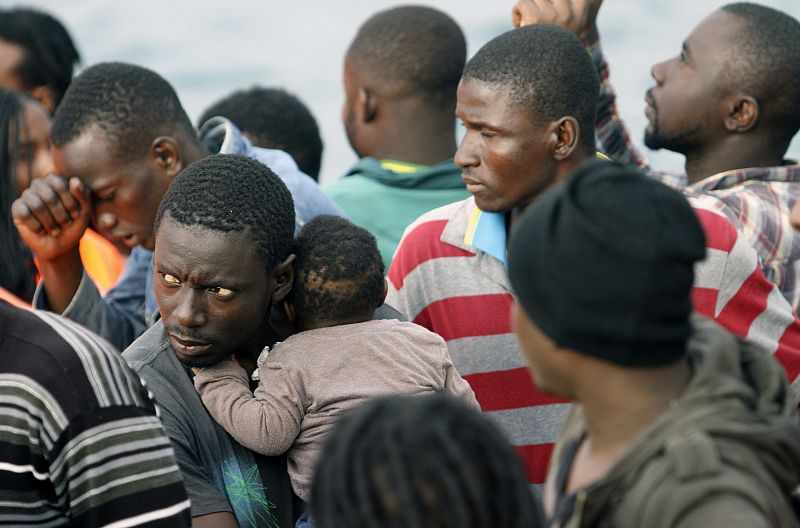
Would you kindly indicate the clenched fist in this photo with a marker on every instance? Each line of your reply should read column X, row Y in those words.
column 52, row 215
column 576, row 16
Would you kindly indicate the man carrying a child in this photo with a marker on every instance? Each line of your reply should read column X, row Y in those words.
column 223, row 257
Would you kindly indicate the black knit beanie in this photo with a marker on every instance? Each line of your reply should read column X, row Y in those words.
column 604, row 265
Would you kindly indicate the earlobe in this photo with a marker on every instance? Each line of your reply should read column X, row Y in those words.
column 742, row 114
column 283, row 277
column 566, row 134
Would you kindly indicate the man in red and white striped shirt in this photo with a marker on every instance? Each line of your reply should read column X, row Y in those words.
column 527, row 129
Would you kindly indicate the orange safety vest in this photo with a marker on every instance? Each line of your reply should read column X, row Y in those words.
column 101, row 260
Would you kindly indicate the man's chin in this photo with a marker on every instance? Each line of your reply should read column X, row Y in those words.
column 200, row 361
column 652, row 141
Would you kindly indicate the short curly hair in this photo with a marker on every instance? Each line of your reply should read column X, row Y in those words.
column 412, row 50
column 764, row 60
column 546, row 72
column 273, row 118
column 339, row 270
column 228, row 192
column 131, row 104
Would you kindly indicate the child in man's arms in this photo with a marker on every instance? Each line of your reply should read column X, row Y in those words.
column 340, row 359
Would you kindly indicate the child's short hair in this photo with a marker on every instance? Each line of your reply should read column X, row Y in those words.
column 339, row 271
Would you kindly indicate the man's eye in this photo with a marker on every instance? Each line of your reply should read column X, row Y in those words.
column 221, row 292
column 172, row 280
column 106, row 196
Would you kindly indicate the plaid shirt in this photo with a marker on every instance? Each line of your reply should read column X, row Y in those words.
column 758, row 200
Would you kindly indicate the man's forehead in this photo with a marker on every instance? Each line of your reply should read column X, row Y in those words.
column 81, row 155
column 478, row 93
column 205, row 243
column 714, row 31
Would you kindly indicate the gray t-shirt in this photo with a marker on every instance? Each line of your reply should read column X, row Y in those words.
column 219, row 474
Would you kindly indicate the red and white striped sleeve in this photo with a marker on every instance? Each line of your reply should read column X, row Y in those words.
column 731, row 288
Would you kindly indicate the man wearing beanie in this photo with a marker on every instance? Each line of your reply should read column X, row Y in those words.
column 677, row 422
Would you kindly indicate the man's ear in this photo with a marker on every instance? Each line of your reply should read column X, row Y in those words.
column 166, row 154
column 565, row 137
column 742, row 113
column 367, row 105
column 283, row 279
column 46, row 97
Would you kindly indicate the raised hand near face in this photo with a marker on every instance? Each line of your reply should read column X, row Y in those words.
column 576, row 16
column 52, row 215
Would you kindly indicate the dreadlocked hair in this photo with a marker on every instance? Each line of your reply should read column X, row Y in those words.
column 420, row 462
column 17, row 270
column 338, row 273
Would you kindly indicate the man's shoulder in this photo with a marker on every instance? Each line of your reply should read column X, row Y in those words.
column 436, row 234
column 428, row 228
column 149, row 350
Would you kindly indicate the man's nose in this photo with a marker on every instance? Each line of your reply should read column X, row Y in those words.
column 658, row 72
column 105, row 221
column 466, row 155
column 189, row 312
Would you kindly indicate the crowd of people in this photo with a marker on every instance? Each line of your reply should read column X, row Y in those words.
column 527, row 327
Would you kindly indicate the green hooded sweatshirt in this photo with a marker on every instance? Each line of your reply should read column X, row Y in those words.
column 727, row 453
column 384, row 197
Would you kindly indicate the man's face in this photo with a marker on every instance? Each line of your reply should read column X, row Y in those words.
column 125, row 196
column 213, row 292
column 504, row 156
column 547, row 363
column 11, row 55
column 32, row 159
column 685, row 109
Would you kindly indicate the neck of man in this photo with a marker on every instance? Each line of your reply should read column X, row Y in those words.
column 194, row 150
column 412, row 133
column 734, row 152
column 619, row 403
column 561, row 172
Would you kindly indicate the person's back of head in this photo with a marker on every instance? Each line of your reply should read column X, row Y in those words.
column 273, row 118
column 401, row 73
column 49, row 54
column 546, row 71
column 130, row 104
column 338, row 274
column 603, row 266
column 420, row 461
column 17, row 270
column 411, row 51
column 764, row 62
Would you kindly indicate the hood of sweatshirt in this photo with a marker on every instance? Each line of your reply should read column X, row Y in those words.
column 443, row 175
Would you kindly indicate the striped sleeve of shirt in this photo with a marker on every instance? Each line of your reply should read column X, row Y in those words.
column 731, row 288
column 80, row 440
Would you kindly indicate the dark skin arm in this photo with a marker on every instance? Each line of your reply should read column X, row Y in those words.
column 51, row 217
column 215, row 520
